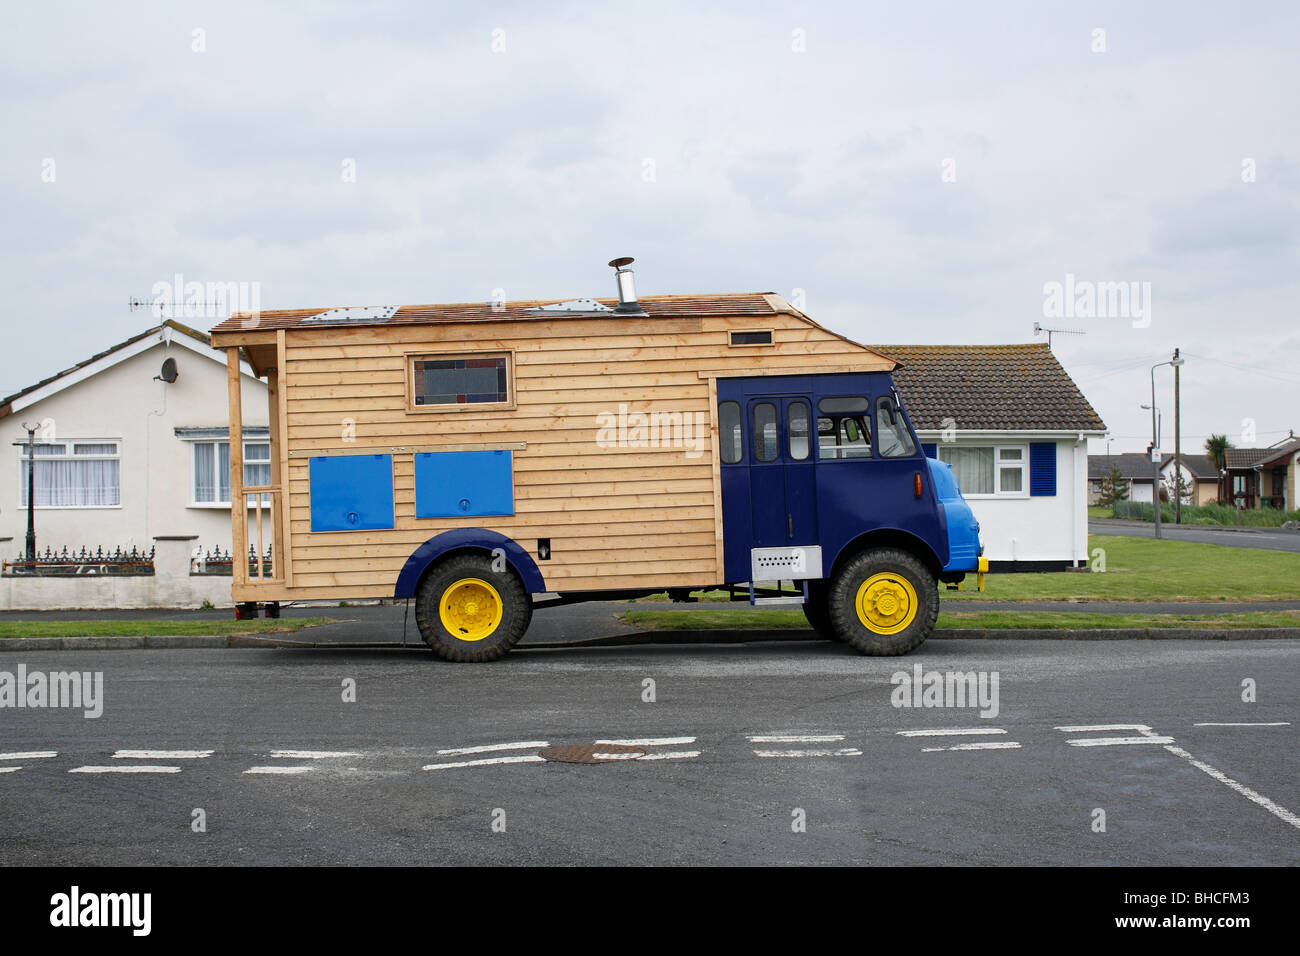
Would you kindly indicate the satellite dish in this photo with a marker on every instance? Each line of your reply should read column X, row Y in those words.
column 168, row 373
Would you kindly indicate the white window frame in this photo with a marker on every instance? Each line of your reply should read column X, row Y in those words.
column 216, row 477
column 69, row 446
column 998, row 465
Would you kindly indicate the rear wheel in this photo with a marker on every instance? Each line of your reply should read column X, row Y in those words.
column 466, row 611
column 884, row 602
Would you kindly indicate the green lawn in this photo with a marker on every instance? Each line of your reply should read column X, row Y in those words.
column 1144, row 569
column 786, row 618
column 151, row 628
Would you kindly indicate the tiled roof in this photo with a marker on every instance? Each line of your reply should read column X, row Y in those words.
column 1250, row 457
column 1199, row 465
column 993, row 387
column 667, row 306
column 1131, row 466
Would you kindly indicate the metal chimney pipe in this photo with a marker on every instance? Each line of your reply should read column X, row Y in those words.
column 627, row 302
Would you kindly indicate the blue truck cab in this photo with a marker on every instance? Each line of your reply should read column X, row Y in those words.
column 825, row 484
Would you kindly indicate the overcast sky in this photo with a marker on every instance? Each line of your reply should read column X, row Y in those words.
column 920, row 171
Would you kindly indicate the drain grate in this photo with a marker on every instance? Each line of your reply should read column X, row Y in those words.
column 592, row 753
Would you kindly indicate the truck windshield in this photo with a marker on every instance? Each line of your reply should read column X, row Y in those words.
column 893, row 439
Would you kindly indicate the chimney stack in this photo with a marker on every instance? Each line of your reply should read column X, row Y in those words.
column 627, row 303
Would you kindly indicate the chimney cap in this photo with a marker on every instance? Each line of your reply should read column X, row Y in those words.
column 621, row 261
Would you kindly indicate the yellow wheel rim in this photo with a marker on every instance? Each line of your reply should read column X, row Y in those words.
column 886, row 603
column 470, row 609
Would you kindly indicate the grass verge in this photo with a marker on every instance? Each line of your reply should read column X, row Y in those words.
column 153, row 628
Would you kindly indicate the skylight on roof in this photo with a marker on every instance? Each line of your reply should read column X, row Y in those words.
column 357, row 313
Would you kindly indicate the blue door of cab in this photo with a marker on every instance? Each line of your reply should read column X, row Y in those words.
column 782, row 486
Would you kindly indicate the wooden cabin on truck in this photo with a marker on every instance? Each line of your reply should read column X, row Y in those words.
column 487, row 458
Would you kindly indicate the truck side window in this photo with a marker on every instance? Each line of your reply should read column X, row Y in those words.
column 797, row 420
column 893, row 436
column 843, row 429
column 730, row 434
column 843, row 436
column 765, row 435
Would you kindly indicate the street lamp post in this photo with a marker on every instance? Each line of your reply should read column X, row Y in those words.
column 31, row 492
column 1175, row 362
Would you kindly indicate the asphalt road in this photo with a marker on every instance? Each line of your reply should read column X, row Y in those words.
column 1081, row 727
column 1265, row 539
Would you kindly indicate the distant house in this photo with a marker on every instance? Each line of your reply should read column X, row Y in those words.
column 1135, row 471
column 1200, row 478
column 1015, row 428
column 123, row 456
column 1262, row 477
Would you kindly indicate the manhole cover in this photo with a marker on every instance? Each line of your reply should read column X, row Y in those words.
column 592, row 753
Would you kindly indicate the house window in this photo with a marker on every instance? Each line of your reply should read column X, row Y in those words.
column 76, row 474
column 455, row 380
column 987, row 469
column 212, row 470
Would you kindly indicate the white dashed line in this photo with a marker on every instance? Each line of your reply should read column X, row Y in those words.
column 951, row 732
column 10, row 769
column 649, row 742
column 278, row 770
column 127, row 768
column 1280, row 723
column 30, row 755
column 986, row 745
column 523, row 758
column 1088, row 728
column 1281, row 812
column 671, row 755
column 795, row 738
column 1118, row 741
column 842, row 752
column 311, row 754
column 162, row 754
column 522, row 745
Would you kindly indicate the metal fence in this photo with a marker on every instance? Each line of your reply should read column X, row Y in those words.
column 83, row 563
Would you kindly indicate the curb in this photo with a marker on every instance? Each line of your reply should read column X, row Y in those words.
column 719, row 636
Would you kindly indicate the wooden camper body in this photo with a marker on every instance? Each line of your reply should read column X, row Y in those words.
column 622, row 509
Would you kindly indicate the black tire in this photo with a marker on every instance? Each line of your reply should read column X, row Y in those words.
column 850, row 578
column 516, row 609
column 817, row 612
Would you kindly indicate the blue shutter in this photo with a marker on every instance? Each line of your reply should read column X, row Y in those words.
column 1042, row 468
column 931, row 451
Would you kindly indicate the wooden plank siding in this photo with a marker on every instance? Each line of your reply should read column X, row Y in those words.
column 617, row 517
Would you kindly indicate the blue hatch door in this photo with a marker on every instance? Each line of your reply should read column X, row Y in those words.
column 782, row 485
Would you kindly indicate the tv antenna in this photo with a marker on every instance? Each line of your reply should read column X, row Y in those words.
column 1039, row 329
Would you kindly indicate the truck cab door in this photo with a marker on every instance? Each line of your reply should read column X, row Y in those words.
column 782, row 484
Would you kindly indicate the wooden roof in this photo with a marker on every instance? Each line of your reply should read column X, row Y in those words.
column 666, row 306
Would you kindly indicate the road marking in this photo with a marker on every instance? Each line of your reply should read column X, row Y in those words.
column 670, row 755
column 1281, row 812
column 10, row 769
column 1118, row 741
column 984, row 745
column 795, row 738
column 127, row 768
column 842, row 752
column 30, row 755
column 1087, row 728
column 522, row 745
column 311, row 754
column 162, row 754
column 279, row 770
column 1280, row 723
column 519, row 758
column 952, row 732
column 649, row 742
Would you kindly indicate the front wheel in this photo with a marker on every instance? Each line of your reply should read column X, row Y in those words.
column 466, row 611
column 884, row 602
